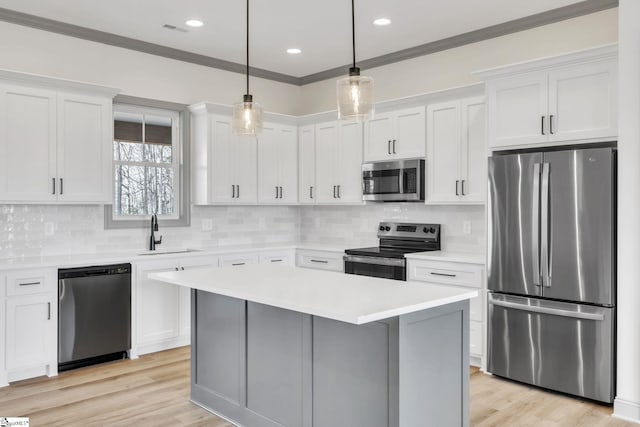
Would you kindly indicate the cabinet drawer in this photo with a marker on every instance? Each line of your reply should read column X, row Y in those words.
column 29, row 282
column 237, row 260
column 320, row 260
column 282, row 258
column 447, row 273
column 475, row 338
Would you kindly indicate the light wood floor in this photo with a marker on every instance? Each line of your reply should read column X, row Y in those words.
column 154, row 391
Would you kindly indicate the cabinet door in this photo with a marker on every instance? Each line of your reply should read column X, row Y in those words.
column 583, row 102
column 288, row 164
column 409, row 135
column 222, row 160
column 306, row 164
column 474, row 150
column 326, row 158
column 85, row 127
column 31, row 329
column 518, row 108
column 157, row 306
column 191, row 263
column 378, row 136
column 443, row 152
column 27, row 144
column 268, row 164
column 246, row 169
column 349, row 170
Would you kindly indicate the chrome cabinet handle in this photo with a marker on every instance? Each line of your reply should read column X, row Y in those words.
column 551, row 124
column 334, row 191
column 389, row 146
column 394, row 146
column 29, row 283
column 233, row 191
column 462, row 187
column 319, row 261
column 311, row 191
column 182, row 268
column 542, row 125
column 53, row 180
column 48, row 311
column 177, row 269
column 276, row 187
column 276, row 260
column 238, row 191
column 61, row 186
column 457, row 182
column 281, row 192
column 442, row 274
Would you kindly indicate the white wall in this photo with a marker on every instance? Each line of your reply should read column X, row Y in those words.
column 453, row 67
column 627, row 404
column 136, row 74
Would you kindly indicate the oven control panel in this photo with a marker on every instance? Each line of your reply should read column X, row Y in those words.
column 408, row 230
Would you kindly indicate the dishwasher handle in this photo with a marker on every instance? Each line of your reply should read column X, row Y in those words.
column 98, row 270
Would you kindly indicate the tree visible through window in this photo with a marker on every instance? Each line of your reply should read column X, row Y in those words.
column 145, row 154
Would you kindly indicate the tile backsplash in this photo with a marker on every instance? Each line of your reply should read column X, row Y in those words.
column 41, row 230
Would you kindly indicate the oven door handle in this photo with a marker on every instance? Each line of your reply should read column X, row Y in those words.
column 394, row 262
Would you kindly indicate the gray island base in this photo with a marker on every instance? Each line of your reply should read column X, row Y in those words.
column 257, row 365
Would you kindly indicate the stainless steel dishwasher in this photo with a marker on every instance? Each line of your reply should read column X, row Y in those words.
column 94, row 309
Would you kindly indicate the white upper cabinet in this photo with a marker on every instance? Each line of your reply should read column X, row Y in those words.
column 27, row 144
column 55, row 145
column 456, row 152
column 85, row 138
column 224, row 166
column 307, row 164
column 569, row 98
column 339, row 162
column 278, row 164
column 395, row 135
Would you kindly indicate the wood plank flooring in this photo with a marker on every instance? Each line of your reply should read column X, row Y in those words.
column 154, row 391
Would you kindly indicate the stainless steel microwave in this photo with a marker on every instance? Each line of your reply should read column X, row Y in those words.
column 394, row 181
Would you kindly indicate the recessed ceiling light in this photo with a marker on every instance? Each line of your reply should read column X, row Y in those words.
column 381, row 22
column 293, row 51
column 194, row 23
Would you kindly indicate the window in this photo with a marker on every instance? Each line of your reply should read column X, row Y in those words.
column 148, row 173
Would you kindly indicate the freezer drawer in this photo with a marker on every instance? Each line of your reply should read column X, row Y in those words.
column 560, row 346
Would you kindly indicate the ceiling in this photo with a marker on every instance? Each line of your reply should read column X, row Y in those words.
column 321, row 29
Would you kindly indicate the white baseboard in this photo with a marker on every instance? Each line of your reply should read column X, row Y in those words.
column 626, row 410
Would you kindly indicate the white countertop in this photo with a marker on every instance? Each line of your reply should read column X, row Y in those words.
column 471, row 258
column 343, row 297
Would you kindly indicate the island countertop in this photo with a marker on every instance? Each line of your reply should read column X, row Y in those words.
column 343, row 297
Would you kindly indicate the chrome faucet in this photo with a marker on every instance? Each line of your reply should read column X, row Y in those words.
column 154, row 227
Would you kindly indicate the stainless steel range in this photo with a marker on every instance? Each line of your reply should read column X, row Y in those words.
column 387, row 259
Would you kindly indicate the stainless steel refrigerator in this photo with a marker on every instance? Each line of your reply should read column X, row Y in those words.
column 551, row 270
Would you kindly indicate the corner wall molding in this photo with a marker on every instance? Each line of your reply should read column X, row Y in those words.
column 555, row 15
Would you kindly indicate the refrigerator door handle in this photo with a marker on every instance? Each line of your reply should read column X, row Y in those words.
column 547, row 310
column 536, row 224
column 544, row 225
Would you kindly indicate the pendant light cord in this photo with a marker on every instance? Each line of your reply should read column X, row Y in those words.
column 248, row 47
column 353, row 31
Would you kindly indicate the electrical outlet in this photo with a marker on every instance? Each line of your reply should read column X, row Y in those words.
column 49, row 229
column 466, row 227
column 207, row 224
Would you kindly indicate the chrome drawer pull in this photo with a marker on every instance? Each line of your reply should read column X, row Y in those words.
column 442, row 274
column 276, row 260
column 319, row 261
column 238, row 263
column 29, row 284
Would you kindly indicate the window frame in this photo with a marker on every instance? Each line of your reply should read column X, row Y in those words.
column 180, row 157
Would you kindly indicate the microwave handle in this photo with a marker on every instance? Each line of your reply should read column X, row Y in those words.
column 401, row 181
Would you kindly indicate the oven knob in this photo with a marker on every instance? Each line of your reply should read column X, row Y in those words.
column 425, row 230
column 433, row 230
column 382, row 228
column 387, row 228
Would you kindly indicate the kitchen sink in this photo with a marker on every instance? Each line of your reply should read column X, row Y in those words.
column 169, row 251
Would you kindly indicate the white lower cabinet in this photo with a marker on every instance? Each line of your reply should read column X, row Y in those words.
column 30, row 325
column 464, row 275
column 320, row 260
column 162, row 318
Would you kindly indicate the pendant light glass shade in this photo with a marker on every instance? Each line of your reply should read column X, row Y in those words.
column 355, row 93
column 355, row 97
column 247, row 117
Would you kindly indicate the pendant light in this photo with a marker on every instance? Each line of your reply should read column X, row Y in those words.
column 247, row 115
column 355, row 93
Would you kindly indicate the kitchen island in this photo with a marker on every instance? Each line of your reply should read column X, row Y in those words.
column 285, row 346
